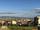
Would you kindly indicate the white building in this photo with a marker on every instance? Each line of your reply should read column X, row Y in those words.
column 38, row 20
column 14, row 22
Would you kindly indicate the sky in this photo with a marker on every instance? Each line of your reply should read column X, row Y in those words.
column 20, row 8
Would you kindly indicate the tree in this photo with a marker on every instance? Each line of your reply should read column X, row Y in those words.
column 35, row 21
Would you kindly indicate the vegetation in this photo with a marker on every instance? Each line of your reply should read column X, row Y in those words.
column 20, row 27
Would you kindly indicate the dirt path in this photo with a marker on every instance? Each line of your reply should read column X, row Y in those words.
column 34, row 28
column 4, row 28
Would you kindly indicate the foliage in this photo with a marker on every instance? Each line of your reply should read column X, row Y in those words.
column 20, row 27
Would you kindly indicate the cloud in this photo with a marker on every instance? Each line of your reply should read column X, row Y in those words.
column 37, row 10
column 20, row 13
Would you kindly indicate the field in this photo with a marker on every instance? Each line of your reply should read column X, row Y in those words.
column 20, row 27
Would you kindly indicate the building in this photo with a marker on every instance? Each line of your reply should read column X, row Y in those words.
column 14, row 22
column 24, row 22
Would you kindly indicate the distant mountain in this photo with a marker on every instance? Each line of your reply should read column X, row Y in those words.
column 11, row 17
column 7, row 13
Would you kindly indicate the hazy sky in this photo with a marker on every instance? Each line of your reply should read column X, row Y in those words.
column 22, row 8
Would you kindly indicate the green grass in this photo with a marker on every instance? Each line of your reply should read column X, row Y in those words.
column 14, row 27
column 20, row 27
